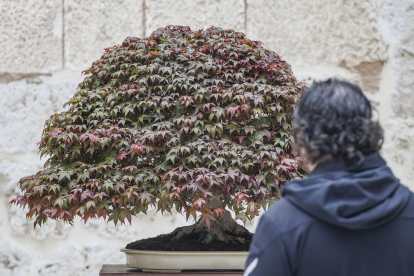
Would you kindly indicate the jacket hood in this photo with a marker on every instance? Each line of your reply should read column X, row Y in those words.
column 359, row 196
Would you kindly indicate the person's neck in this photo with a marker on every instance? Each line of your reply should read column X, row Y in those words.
column 309, row 167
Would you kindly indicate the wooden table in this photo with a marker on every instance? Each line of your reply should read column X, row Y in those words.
column 122, row 270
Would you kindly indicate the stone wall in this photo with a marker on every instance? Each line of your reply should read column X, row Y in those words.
column 45, row 44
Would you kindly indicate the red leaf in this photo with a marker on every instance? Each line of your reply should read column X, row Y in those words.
column 102, row 213
column 220, row 211
column 87, row 216
column 50, row 212
column 145, row 196
column 207, row 218
column 241, row 197
column 122, row 155
column 240, row 138
column 199, row 203
column 137, row 148
column 62, row 214
column 19, row 200
column 87, row 194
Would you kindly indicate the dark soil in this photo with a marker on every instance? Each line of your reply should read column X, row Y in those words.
column 188, row 243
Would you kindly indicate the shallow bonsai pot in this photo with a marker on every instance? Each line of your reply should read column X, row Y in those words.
column 175, row 261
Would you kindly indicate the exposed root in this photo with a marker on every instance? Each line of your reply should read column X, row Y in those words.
column 181, row 232
column 225, row 230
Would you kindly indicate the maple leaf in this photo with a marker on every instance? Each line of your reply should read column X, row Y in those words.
column 87, row 194
column 145, row 197
column 240, row 138
column 207, row 218
column 19, row 200
column 241, row 197
column 62, row 214
column 50, row 212
column 137, row 148
column 87, row 216
column 89, row 204
column 100, row 195
column 200, row 203
column 122, row 155
column 61, row 201
column 219, row 211
column 102, row 213
column 80, row 210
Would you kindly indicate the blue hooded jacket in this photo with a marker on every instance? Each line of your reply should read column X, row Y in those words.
column 342, row 220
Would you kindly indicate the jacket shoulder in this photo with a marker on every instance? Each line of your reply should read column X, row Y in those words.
column 286, row 216
column 408, row 211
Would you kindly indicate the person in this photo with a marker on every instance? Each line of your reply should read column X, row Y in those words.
column 351, row 215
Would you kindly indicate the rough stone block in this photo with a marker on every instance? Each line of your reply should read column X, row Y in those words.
column 326, row 31
column 80, row 260
column 227, row 14
column 25, row 105
column 91, row 26
column 400, row 16
column 111, row 231
column 31, row 36
column 323, row 32
column 403, row 92
column 13, row 260
column 398, row 148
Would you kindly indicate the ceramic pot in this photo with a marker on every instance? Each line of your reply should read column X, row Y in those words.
column 175, row 261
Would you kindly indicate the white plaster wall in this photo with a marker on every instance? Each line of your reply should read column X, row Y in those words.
column 44, row 45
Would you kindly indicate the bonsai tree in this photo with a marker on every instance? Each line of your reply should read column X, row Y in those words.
column 195, row 121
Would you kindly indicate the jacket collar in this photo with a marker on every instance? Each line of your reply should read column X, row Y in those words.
column 331, row 165
column 340, row 164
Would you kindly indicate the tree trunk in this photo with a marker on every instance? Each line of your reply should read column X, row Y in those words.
column 225, row 230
